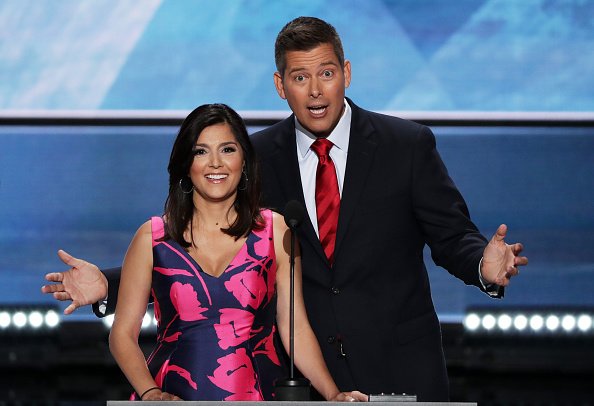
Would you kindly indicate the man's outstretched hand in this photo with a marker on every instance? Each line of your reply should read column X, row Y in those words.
column 501, row 260
column 83, row 283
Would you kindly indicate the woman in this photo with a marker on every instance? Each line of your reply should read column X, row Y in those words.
column 217, row 267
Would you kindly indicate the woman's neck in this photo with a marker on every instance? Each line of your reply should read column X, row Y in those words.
column 213, row 215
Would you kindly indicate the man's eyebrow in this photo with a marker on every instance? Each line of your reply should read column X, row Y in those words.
column 322, row 65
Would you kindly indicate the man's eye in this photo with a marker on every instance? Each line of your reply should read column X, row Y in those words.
column 328, row 73
column 299, row 78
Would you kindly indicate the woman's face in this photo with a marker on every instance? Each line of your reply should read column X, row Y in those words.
column 217, row 166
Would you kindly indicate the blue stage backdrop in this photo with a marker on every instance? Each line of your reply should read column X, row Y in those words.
column 469, row 55
column 87, row 189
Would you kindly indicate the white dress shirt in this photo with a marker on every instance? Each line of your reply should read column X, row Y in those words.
column 308, row 160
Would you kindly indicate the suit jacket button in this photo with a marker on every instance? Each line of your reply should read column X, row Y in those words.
column 331, row 339
column 336, row 291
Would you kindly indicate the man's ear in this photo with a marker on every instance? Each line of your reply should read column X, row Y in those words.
column 347, row 73
column 278, row 83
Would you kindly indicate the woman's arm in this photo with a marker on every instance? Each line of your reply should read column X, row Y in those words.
column 134, row 291
column 308, row 356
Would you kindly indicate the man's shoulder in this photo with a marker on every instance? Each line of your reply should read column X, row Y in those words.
column 381, row 121
column 274, row 129
column 265, row 139
column 384, row 119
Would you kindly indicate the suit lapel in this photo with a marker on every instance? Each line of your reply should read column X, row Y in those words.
column 360, row 158
column 284, row 160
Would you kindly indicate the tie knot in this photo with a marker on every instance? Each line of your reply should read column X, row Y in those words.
column 321, row 147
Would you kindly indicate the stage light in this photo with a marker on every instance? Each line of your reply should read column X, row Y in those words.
column 584, row 322
column 488, row 322
column 35, row 319
column 504, row 322
column 146, row 320
column 472, row 321
column 520, row 322
column 568, row 322
column 108, row 321
column 536, row 322
column 51, row 318
column 5, row 319
column 19, row 319
column 552, row 322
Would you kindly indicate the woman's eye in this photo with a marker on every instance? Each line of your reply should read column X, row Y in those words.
column 229, row 150
column 199, row 151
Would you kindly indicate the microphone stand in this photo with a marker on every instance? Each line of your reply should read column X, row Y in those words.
column 292, row 388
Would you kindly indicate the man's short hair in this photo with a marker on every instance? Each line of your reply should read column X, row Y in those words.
column 304, row 34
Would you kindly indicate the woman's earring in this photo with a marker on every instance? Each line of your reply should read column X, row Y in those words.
column 246, row 180
column 181, row 187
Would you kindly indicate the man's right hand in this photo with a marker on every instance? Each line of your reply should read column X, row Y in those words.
column 83, row 283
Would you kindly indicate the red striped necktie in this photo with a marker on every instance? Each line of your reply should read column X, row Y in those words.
column 327, row 196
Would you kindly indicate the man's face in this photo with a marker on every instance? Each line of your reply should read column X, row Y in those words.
column 314, row 85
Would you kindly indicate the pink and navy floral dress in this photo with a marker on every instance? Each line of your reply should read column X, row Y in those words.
column 215, row 334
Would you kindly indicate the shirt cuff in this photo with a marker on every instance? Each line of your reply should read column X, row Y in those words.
column 102, row 306
column 490, row 289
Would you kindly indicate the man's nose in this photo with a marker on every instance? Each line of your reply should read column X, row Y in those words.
column 315, row 89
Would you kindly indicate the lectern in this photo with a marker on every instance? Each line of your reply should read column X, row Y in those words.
column 281, row 403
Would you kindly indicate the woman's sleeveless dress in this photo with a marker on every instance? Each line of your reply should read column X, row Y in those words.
column 215, row 335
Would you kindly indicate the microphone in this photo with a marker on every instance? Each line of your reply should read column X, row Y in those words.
column 292, row 388
column 293, row 214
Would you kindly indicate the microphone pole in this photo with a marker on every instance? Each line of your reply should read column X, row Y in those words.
column 292, row 388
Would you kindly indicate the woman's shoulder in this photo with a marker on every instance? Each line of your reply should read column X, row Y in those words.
column 154, row 226
column 268, row 213
column 273, row 219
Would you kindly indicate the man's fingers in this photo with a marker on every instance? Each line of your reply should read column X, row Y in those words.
column 517, row 248
column 58, row 287
column 54, row 277
column 61, row 296
column 500, row 233
column 520, row 261
column 361, row 397
column 68, row 259
column 71, row 307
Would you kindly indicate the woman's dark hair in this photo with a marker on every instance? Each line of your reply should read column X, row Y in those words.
column 304, row 34
column 179, row 206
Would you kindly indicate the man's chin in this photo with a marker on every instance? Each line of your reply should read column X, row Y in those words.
column 320, row 130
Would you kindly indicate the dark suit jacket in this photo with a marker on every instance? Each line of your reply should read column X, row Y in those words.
column 372, row 311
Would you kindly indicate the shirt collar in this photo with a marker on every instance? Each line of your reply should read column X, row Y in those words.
column 339, row 136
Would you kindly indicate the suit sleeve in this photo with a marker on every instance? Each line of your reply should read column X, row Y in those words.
column 455, row 242
column 105, row 308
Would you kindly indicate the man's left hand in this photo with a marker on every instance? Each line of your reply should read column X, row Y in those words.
column 501, row 260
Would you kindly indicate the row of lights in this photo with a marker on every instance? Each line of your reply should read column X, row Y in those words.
column 33, row 318
column 28, row 319
column 530, row 322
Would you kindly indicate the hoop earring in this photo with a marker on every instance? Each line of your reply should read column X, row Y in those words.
column 246, row 180
column 181, row 187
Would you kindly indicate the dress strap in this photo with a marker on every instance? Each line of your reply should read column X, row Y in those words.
column 158, row 228
column 267, row 216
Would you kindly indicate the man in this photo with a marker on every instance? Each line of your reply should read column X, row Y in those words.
column 373, row 201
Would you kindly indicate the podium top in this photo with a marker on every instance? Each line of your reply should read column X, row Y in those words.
column 280, row 403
